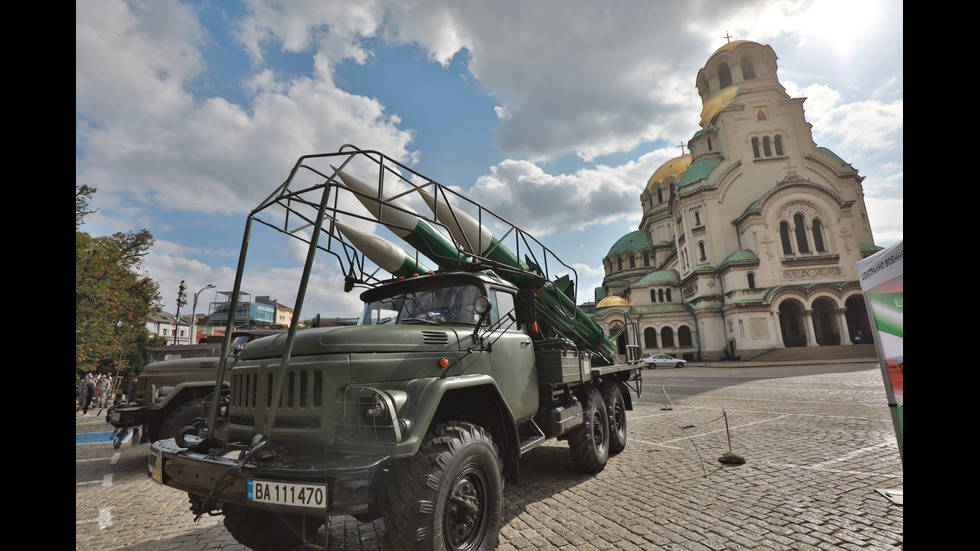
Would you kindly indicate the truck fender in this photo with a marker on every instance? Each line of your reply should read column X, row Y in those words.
column 476, row 399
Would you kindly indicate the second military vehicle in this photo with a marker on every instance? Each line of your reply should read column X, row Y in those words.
column 172, row 385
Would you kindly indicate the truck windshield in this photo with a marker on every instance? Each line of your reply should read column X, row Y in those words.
column 453, row 304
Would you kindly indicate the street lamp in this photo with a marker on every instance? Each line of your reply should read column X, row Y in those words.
column 194, row 313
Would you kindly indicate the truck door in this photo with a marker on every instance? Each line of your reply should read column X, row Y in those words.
column 512, row 357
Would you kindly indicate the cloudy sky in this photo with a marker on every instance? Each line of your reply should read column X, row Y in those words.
column 188, row 114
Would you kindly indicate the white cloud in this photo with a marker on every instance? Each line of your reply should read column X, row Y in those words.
column 575, row 77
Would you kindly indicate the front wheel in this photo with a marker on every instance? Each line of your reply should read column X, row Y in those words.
column 267, row 531
column 679, row 364
column 449, row 496
column 186, row 414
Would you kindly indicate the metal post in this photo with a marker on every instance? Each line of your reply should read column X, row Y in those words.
column 194, row 314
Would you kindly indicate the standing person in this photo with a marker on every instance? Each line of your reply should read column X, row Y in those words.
column 88, row 394
column 859, row 339
column 104, row 387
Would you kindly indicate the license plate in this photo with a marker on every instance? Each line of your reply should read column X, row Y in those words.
column 286, row 493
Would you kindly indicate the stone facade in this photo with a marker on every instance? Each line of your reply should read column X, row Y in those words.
column 749, row 242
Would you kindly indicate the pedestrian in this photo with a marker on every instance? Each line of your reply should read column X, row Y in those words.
column 859, row 339
column 129, row 388
column 104, row 386
column 88, row 394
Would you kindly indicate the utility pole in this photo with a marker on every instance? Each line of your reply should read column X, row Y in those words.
column 181, row 301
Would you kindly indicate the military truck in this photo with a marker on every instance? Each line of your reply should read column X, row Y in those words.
column 420, row 412
column 171, row 386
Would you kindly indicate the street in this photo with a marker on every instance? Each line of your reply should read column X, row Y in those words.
column 819, row 469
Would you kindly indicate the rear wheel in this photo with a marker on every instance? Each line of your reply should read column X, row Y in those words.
column 589, row 442
column 616, row 410
column 449, row 496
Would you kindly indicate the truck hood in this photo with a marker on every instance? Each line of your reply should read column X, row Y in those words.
column 362, row 339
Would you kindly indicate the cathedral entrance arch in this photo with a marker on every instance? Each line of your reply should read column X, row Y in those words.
column 792, row 323
column 825, row 326
column 621, row 341
column 856, row 316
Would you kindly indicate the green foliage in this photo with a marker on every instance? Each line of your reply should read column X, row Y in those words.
column 112, row 299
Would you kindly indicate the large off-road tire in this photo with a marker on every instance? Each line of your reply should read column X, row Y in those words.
column 589, row 442
column 264, row 530
column 184, row 415
column 616, row 411
column 449, row 496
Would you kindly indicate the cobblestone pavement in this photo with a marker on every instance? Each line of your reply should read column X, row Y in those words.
column 821, row 470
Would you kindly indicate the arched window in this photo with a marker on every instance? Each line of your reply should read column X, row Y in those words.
column 748, row 68
column 619, row 264
column 684, row 336
column 632, row 261
column 750, row 278
column 646, row 259
column 724, row 76
column 661, row 294
column 778, row 143
column 701, row 250
column 660, row 195
column 667, row 337
column 784, row 238
column 709, row 144
column 650, row 337
column 653, row 295
column 755, row 147
column 668, row 295
column 818, row 237
column 766, row 147
column 697, row 218
column 800, row 223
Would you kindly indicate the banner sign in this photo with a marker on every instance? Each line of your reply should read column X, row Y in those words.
column 881, row 276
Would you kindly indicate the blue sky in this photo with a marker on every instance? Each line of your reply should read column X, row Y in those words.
column 187, row 114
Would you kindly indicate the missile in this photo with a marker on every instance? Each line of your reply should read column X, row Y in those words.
column 559, row 311
column 476, row 239
column 406, row 224
column 382, row 252
column 556, row 309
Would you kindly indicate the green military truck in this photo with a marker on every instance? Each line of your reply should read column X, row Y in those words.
column 420, row 412
column 171, row 387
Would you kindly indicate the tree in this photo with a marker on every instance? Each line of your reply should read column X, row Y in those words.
column 112, row 299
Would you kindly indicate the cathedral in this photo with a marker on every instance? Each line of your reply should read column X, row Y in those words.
column 749, row 242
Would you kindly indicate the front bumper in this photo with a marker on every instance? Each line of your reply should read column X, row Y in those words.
column 351, row 479
column 125, row 416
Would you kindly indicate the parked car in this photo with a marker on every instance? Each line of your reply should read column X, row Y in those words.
column 663, row 360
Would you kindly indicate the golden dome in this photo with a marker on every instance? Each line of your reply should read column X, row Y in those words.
column 730, row 47
column 612, row 300
column 674, row 167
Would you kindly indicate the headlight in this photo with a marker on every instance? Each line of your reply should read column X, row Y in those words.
column 374, row 411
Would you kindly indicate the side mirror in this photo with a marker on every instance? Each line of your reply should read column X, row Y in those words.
column 524, row 308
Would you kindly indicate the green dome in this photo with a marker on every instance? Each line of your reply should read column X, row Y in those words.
column 633, row 241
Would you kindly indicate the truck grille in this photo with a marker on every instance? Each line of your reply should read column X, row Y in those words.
column 301, row 390
column 300, row 408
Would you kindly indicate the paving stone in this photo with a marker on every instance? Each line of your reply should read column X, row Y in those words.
column 817, row 441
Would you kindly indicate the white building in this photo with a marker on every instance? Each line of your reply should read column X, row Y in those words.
column 749, row 242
